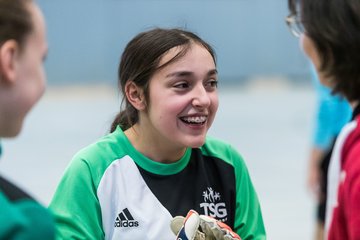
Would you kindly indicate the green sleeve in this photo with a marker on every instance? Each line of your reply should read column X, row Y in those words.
column 248, row 218
column 75, row 204
column 25, row 220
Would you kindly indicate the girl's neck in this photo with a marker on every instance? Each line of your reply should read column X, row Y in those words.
column 154, row 149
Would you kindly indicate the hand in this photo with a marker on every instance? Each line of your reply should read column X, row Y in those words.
column 201, row 227
column 187, row 228
column 314, row 172
column 215, row 229
column 313, row 181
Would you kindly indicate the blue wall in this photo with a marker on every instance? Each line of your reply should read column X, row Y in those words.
column 86, row 37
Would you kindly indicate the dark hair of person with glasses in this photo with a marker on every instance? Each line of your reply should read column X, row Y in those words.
column 334, row 29
column 329, row 32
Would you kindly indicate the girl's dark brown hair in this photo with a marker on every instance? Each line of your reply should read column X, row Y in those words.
column 140, row 60
column 15, row 21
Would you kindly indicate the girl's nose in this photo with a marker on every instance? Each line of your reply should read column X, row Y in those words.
column 201, row 97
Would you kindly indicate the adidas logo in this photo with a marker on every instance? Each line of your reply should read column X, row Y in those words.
column 125, row 219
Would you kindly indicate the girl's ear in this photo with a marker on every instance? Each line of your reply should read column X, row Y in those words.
column 8, row 53
column 135, row 95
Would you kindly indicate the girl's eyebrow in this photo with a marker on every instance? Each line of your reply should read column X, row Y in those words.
column 212, row 72
column 189, row 73
column 180, row 74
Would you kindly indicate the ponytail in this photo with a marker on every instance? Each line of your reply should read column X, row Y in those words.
column 125, row 119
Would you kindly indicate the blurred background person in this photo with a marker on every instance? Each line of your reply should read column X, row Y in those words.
column 23, row 47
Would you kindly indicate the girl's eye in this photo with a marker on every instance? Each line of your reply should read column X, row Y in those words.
column 212, row 84
column 181, row 85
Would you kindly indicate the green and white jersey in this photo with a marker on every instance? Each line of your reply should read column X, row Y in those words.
column 112, row 191
column 21, row 217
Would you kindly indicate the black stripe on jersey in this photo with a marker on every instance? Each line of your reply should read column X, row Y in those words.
column 12, row 192
column 128, row 215
column 185, row 190
column 122, row 216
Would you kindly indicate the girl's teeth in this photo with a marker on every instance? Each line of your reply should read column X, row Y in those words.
column 195, row 119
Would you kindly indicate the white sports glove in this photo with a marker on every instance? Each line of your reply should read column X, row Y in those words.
column 201, row 227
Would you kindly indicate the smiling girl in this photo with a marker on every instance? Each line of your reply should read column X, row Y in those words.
column 158, row 162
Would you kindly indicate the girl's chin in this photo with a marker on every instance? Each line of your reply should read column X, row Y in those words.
column 196, row 144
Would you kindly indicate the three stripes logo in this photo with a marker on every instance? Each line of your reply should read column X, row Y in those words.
column 125, row 219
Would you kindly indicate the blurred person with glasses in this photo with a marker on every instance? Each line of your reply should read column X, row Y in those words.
column 332, row 112
column 294, row 23
column 329, row 32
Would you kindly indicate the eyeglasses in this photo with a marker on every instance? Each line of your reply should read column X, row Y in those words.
column 295, row 25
